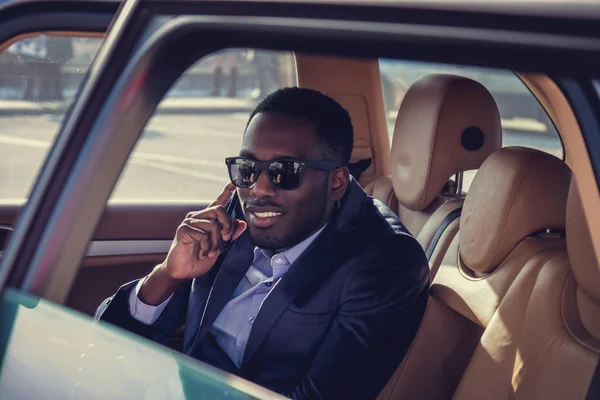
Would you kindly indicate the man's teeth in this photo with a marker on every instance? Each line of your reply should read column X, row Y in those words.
column 266, row 214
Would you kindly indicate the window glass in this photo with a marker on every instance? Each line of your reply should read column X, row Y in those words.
column 181, row 154
column 524, row 121
column 50, row 352
column 39, row 77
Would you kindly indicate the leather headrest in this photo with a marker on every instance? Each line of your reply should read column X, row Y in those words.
column 517, row 191
column 582, row 257
column 446, row 124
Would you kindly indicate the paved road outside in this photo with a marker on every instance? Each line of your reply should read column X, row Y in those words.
column 179, row 157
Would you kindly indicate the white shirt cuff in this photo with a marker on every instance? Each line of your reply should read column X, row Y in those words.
column 141, row 311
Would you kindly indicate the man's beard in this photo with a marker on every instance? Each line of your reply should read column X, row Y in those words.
column 309, row 223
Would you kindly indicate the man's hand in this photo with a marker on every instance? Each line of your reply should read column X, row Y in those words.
column 194, row 250
column 198, row 239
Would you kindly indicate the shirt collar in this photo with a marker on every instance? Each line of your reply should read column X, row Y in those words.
column 293, row 252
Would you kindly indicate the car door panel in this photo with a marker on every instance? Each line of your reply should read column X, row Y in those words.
column 139, row 221
column 130, row 240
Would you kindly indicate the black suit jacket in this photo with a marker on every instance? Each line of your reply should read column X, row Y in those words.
column 335, row 327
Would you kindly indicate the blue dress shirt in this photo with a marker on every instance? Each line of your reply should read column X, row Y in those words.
column 232, row 326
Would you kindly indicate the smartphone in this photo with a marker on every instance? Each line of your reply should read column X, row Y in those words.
column 230, row 208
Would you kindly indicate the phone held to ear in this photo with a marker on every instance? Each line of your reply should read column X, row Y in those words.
column 226, row 244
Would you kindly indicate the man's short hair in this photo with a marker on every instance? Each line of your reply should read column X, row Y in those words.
column 334, row 125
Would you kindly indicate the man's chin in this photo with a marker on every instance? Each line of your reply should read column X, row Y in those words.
column 265, row 239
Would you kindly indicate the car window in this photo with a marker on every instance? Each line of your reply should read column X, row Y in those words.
column 59, row 354
column 39, row 78
column 181, row 154
column 524, row 121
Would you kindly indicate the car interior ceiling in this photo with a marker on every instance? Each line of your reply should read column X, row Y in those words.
column 509, row 287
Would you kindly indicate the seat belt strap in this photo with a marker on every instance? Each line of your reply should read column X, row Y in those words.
column 454, row 214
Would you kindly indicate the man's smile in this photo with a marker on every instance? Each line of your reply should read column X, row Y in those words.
column 263, row 217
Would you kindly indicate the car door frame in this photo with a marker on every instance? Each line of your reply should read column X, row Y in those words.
column 68, row 144
column 22, row 20
column 123, row 89
column 142, row 245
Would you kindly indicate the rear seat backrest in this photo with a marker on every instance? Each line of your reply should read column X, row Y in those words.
column 446, row 124
column 586, row 270
column 516, row 193
column 544, row 340
column 512, row 198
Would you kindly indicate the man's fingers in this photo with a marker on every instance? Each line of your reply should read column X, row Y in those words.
column 189, row 234
column 205, row 245
column 215, row 239
column 216, row 213
column 205, row 224
column 225, row 195
column 212, row 228
column 216, row 210
column 205, row 233
column 201, row 238
column 221, row 215
column 208, row 234
column 241, row 227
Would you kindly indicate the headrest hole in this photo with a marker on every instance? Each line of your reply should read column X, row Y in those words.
column 472, row 138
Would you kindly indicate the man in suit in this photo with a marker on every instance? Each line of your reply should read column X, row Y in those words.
column 322, row 290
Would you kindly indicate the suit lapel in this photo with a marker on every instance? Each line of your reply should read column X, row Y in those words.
column 303, row 277
column 310, row 269
column 234, row 266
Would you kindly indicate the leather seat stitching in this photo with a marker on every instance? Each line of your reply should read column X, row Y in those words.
column 567, row 324
column 515, row 195
column 432, row 153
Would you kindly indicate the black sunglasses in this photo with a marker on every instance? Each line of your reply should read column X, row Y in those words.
column 285, row 174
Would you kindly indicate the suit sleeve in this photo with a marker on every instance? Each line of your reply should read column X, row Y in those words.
column 115, row 310
column 381, row 308
column 141, row 311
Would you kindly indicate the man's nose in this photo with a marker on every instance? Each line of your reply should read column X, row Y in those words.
column 263, row 187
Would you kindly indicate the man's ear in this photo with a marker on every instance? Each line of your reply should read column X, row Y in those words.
column 340, row 179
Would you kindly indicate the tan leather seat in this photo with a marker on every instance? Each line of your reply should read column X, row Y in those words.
column 543, row 342
column 516, row 194
column 446, row 124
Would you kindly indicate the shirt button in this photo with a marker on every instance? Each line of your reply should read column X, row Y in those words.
column 251, row 320
column 268, row 284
